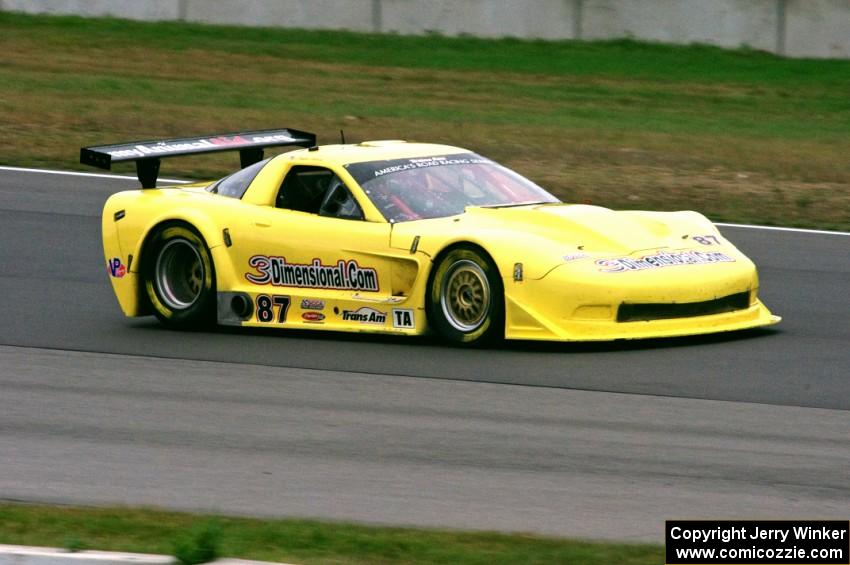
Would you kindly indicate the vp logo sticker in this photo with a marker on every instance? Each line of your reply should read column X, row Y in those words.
column 116, row 268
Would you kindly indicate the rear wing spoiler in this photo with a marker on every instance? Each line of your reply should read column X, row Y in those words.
column 147, row 154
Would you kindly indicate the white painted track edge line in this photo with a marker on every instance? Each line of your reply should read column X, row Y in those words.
column 24, row 554
column 83, row 174
column 779, row 228
column 180, row 181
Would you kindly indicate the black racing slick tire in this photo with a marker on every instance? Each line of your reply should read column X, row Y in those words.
column 465, row 302
column 179, row 278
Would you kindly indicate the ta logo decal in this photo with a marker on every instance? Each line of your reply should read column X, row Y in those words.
column 403, row 318
column 116, row 268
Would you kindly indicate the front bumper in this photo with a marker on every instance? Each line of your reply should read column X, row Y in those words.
column 578, row 303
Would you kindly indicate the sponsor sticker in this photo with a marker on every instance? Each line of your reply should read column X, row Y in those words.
column 660, row 260
column 576, row 256
column 403, row 318
column 312, row 304
column 363, row 172
column 159, row 148
column 116, row 268
column 344, row 275
column 426, row 162
column 313, row 316
column 365, row 315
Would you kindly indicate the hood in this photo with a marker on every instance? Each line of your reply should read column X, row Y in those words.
column 593, row 229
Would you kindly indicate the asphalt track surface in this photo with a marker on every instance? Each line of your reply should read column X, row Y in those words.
column 601, row 440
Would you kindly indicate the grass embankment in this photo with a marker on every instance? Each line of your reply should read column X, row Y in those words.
column 297, row 541
column 742, row 136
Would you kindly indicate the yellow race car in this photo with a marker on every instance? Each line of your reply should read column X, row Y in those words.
column 407, row 238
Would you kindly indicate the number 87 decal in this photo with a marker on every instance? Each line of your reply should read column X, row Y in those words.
column 706, row 239
column 266, row 305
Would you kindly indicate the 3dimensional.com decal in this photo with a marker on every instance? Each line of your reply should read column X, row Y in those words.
column 344, row 275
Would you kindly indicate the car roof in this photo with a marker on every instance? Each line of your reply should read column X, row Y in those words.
column 379, row 150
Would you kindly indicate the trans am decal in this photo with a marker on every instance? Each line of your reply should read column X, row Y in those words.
column 660, row 260
column 365, row 315
column 345, row 275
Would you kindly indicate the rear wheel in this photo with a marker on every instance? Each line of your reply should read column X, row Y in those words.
column 180, row 277
column 465, row 298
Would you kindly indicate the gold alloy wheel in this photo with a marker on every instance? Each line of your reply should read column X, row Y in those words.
column 179, row 274
column 465, row 296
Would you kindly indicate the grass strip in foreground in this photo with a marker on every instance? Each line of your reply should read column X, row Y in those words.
column 297, row 541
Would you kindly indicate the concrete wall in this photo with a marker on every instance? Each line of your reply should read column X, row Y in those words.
column 818, row 28
column 727, row 23
column 544, row 19
column 150, row 10
column 796, row 28
column 355, row 15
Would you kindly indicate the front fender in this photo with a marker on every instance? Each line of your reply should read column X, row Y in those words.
column 537, row 254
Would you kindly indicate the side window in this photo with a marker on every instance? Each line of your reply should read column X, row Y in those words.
column 236, row 184
column 304, row 188
column 339, row 203
column 317, row 190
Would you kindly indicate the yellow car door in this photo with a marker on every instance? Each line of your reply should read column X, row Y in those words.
column 311, row 258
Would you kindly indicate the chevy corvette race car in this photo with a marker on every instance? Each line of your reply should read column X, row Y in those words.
column 407, row 238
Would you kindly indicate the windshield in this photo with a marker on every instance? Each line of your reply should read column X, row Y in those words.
column 439, row 186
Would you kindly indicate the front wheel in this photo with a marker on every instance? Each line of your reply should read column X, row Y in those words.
column 465, row 298
column 180, row 277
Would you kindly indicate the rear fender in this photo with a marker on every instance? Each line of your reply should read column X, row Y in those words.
column 125, row 249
